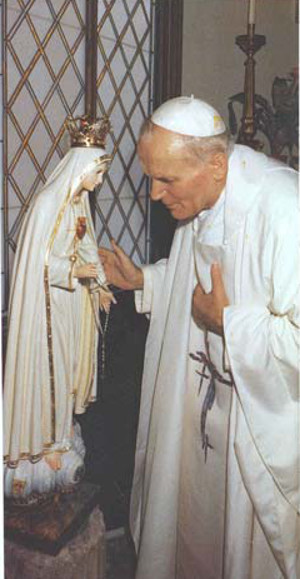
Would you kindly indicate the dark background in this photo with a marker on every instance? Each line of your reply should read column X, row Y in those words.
column 109, row 425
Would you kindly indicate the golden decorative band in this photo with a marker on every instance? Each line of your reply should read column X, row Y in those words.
column 50, row 349
column 33, row 458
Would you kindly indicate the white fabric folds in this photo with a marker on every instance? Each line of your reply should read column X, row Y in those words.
column 259, row 258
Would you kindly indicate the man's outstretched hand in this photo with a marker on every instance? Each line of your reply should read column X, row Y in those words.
column 119, row 269
column 207, row 309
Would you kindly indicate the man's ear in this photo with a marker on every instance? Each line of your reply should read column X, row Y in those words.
column 219, row 166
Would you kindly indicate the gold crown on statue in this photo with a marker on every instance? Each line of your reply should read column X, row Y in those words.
column 85, row 132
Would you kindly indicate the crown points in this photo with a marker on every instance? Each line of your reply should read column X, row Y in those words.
column 87, row 133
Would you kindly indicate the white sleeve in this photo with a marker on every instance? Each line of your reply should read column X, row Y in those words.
column 271, row 332
column 88, row 253
column 61, row 273
column 153, row 281
column 262, row 343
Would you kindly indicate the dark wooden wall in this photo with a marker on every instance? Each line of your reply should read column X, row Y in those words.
column 167, row 84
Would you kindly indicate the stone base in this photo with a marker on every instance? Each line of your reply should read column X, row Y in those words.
column 49, row 526
column 83, row 557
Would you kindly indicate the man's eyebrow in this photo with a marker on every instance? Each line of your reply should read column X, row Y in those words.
column 161, row 177
column 164, row 178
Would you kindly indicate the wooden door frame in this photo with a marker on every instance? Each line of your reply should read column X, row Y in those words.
column 167, row 84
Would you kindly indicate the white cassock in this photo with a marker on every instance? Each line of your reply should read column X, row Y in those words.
column 216, row 483
column 51, row 361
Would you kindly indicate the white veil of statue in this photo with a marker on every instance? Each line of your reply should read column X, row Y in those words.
column 51, row 359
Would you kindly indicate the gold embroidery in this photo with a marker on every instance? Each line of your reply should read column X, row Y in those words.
column 217, row 122
column 33, row 458
column 18, row 487
column 50, row 349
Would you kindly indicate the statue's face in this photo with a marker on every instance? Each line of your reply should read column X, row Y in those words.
column 183, row 183
column 92, row 179
column 95, row 176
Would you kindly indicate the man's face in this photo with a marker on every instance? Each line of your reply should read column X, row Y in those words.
column 183, row 183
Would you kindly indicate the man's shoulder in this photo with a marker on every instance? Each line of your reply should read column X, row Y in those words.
column 280, row 192
column 275, row 182
column 277, row 207
column 255, row 164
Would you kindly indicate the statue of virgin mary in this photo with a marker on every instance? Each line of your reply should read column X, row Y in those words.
column 58, row 285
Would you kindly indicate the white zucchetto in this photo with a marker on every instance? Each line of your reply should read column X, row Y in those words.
column 189, row 116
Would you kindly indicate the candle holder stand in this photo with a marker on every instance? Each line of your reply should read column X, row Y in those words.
column 249, row 43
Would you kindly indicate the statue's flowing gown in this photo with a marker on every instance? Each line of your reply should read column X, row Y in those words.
column 51, row 363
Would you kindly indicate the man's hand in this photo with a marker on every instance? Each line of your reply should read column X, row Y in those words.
column 207, row 309
column 119, row 269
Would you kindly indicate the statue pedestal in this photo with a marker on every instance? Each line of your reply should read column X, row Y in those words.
column 64, row 538
column 82, row 557
column 48, row 526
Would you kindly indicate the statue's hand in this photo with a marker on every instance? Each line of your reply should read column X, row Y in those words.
column 119, row 269
column 87, row 270
column 106, row 298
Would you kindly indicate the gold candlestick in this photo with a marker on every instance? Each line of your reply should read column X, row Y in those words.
column 249, row 43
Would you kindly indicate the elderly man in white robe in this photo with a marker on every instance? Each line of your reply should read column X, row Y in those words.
column 216, row 485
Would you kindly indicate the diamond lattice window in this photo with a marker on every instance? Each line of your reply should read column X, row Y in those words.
column 44, row 59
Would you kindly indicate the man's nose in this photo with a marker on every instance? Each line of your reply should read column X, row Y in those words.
column 158, row 191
